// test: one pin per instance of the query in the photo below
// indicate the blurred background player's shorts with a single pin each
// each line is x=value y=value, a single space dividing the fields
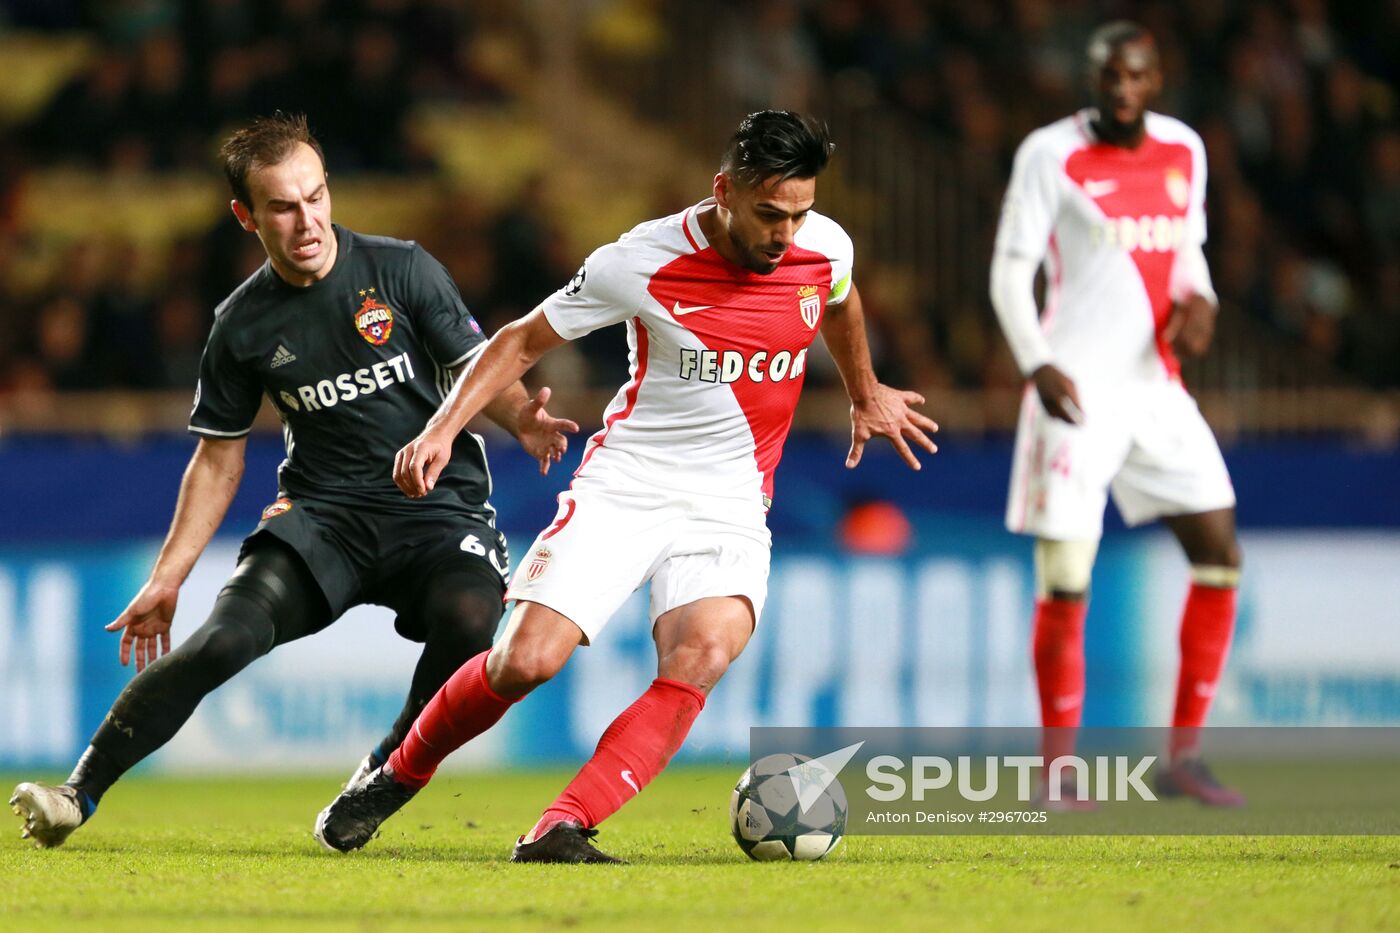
x=1147 y=443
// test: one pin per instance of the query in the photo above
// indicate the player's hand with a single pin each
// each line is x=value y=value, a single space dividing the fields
x=887 y=413
x=1191 y=326
x=419 y=464
x=541 y=434
x=1058 y=394
x=145 y=624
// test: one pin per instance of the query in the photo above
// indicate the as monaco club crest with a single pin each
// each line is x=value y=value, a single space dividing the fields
x=810 y=304
x=1178 y=187
x=539 y=563
x=374 y=320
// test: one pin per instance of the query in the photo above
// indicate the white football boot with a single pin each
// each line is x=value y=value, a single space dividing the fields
x=50 y=813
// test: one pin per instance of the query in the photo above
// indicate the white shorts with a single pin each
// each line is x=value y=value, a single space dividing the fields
x=604 y=544
x=1147 y=443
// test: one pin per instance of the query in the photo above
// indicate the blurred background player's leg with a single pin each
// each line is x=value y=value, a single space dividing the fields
x=1062 y=572
x=1207 y=625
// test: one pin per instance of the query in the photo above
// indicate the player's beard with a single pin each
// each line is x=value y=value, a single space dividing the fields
x=752 y=257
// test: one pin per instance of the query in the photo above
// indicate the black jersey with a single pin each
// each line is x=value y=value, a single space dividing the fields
x=355 y=364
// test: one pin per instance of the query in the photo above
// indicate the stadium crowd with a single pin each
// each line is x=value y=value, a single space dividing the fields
x=165 y=80
x=1296 y=100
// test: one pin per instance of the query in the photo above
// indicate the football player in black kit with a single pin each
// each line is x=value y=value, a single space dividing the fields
x=355 y=340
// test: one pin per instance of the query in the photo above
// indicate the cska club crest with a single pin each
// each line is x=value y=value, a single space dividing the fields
x=539 y=563
x=809 y=302
x=374 y=320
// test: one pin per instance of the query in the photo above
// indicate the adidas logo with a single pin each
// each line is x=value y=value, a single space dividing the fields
x=282 y=357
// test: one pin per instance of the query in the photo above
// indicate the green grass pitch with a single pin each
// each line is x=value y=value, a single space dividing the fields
x=222 y=854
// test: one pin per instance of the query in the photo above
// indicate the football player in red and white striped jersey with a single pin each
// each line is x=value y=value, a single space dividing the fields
x=1111 y=201
x=721 y=303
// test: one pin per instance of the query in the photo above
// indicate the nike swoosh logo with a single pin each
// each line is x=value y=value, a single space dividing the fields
x=1066 y=703
x=631 y=781
x=1100 y=188
x=678 y=309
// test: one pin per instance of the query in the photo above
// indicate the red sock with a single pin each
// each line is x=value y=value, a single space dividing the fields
x=1059 y=672
x=630 y=754
x=1206 y=626
x=465 y=707
x=1059 y=660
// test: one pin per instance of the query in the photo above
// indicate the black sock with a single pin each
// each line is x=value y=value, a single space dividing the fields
x=94 y=773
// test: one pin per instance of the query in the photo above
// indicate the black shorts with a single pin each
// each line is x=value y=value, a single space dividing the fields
x=359 y=556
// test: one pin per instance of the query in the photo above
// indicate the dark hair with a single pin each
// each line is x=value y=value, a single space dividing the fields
x=265 y=141
x=776 y=142
x=1110 y=36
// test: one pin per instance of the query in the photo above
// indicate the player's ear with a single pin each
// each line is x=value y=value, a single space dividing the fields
x=722 y=189
x=243 y=215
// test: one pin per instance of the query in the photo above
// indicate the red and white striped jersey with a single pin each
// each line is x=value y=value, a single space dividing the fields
x=718 y=354
x=1108 y=223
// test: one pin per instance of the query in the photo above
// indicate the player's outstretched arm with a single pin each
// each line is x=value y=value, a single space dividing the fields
x=507 y=357
x=210 y=482
x=543 y=436
x=876 y=409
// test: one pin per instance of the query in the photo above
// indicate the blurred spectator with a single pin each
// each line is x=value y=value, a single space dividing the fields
x=526 y=250
x=766 y=57
x=122 y=320
x=62 y=346
x=1380 y=196
x=180 y=339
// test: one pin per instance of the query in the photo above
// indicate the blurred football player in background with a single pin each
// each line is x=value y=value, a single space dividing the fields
x=1111 y=200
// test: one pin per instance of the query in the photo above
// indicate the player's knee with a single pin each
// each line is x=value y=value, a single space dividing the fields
x=1233 y=556
x=1223 y=554
x=1229 y=555
x=515 y=669
x=1064 y=568
x=1218 y=565
x=700 y=663
x=223 y=647
x=464 y=624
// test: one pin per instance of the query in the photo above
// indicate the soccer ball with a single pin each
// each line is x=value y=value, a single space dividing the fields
x=767 y=816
